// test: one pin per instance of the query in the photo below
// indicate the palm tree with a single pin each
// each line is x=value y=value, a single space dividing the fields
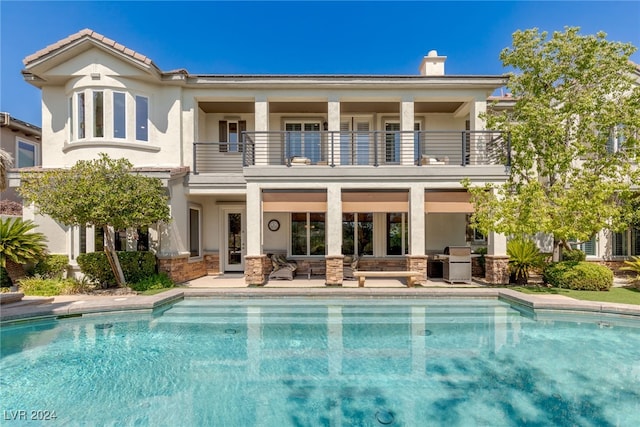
x=6 y=161
x=19 y=245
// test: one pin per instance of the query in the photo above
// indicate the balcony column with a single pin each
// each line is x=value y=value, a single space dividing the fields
x=476 y=123
x=497 y=260
x=334 y=258
x=333 y=122
x=407 y=120
x=417 y=260
x=254 y=259
x=261 y=125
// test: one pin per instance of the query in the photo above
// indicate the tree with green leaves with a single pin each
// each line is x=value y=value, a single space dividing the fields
x=103 y=193
x=574 y=133
x=19 y=244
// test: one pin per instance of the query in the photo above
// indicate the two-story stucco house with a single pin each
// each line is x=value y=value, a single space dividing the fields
x=315 y=167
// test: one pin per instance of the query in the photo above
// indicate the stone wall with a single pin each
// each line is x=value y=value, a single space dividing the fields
x=179 y=269
x=212 y=262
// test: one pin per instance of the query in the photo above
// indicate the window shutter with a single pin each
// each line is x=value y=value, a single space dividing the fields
x=223 y=136
x=242 y=127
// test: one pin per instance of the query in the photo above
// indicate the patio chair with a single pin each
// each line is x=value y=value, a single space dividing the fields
x=350 y=265
x=283 y=269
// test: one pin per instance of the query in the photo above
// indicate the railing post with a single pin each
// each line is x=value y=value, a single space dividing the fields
x=244 y=149
x=331 y=138
x=195 y=168
x=463 y=151
x=375 y=149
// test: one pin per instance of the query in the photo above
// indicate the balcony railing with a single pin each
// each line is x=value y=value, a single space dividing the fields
x=371 y=148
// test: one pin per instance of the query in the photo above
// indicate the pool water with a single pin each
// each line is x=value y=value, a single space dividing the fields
x=333 y=362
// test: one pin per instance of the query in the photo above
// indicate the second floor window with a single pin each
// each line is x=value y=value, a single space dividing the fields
x=119 y=115
x=107 y=114
x=230 y=135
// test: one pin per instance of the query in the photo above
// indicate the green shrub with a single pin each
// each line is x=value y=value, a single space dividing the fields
x=574 y=255
x=136 y=266
x=51 y=266
x=39 y=286
x=156 y=281
x=634 y=266
x=524 y=256
x=582 y=276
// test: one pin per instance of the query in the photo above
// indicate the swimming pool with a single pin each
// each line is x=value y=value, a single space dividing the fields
x=316 y=362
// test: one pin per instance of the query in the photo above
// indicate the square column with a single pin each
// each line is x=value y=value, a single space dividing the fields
x=407 y=120
x=417 y=221
x=261 y=125
x=477 y=141
x=333 y=125
x=254 y=219
x=334 y=258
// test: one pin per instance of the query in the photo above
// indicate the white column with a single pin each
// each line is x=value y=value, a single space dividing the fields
x=261 y=125
x=334 y=220
x=476 y=123
x=333 y=113
x=496 y=242
x=416 y=220
x=254 y=219
x=407 y=120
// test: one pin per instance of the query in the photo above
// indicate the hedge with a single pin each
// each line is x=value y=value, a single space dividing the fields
x=136 y=266
x=583 y=276
x=51 y=266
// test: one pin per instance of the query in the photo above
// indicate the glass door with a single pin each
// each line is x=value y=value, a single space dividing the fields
x=234 y=240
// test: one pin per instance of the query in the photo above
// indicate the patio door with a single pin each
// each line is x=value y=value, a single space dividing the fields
x=355 y=141
x=234 y=237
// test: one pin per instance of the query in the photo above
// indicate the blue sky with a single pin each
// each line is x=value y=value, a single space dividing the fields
x=288 y=37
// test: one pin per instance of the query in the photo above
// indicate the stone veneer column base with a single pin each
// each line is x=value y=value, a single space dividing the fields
x=254 y=269
x=334 y=270
x=497 y=269
x=418 y=263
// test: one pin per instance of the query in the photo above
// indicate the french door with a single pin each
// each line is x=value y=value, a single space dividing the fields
x=234 y=239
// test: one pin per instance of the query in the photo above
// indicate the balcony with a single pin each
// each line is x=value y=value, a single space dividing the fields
x=371 y=148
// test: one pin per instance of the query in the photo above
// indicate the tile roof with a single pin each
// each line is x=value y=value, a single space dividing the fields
x=87 y=33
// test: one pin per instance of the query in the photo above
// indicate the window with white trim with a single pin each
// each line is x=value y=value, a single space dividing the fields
x=142 y=118
x=393 y=141
x=81 y=115
x=119 y=115
x=230 y=135
x=89 y=115
x=303 y=139
x=626 y=243
x=308 y=233
x=195 y=225
x=397 y=233
x=98 y=114
x=357 y=234
x=26 y=154
x=589 y=247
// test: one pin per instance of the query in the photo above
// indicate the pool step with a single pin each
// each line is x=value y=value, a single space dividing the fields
x=308 y=315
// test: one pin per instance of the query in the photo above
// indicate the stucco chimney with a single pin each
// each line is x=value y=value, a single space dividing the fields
x=432 y=64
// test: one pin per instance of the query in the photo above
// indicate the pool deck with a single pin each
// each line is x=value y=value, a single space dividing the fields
x=233 y=286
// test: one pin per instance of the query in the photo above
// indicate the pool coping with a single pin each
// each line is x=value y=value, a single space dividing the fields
x=144 y=303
